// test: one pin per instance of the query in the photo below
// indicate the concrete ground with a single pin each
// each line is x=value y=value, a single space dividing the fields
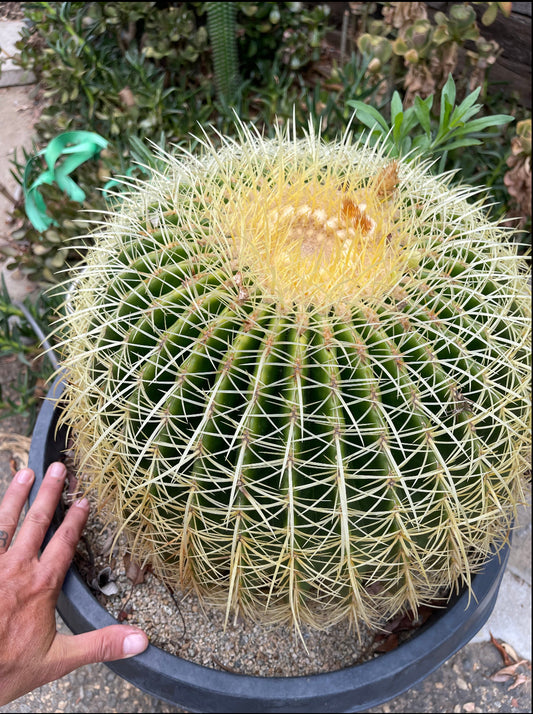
x=462 y=684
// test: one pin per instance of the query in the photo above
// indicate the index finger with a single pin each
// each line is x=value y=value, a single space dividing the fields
x=12 y=504
x=39 y=516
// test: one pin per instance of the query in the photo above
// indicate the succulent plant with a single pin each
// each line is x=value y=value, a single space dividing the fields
x=221 y=22
x=297 y=374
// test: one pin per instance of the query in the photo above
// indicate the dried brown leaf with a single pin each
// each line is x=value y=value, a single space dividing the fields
x=389 y=643
x=500 y=677
x=392 y=625
x=108 y=543
x=134 y=572
x=125 y=613
x=507 y=660
x=409 y=621
x=519 y=679
x=511 y=652
x=511 y=669
x=511 y=662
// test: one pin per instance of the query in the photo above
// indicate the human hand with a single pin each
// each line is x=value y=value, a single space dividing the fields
x=32 y=651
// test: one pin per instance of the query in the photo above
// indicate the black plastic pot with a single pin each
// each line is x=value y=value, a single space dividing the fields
x=202 y=689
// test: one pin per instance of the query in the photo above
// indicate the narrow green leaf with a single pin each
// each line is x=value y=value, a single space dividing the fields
x=461 y=142
x=463 y=117
x=447 y=102
x=396 y=107
x=448 y=91
x=422 y=109
x=397 y=128
x=369 y=115
x=445 y=111
x=469 y=100
x=464 y=112
x=492 y=121
x=410 y=120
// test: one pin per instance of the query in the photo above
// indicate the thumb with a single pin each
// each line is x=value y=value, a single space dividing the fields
x=109 y=643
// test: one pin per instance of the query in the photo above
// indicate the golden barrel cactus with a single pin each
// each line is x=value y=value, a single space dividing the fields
x=298 y=373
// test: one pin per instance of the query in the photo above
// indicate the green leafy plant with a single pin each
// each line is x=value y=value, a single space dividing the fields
x=412 y=130
x=287 y=33
x=133 y=70
x=298 y=375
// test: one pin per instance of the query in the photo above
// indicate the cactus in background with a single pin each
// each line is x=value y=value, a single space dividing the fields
x=298 y=376
x=222 y=28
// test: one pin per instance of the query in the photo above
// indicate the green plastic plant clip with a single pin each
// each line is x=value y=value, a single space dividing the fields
x=77 y=147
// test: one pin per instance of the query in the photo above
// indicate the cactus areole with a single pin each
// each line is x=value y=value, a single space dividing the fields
x=297 y=374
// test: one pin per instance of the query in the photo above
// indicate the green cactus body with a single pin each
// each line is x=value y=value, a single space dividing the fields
x=222 y=27
x=298 y=375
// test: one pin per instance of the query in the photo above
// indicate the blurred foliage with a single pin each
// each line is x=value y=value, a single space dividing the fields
x=410 y=48
x=138 y=71
x=517 y=178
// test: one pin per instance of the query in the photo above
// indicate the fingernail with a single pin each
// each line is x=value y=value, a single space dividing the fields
x=56 y=470
x=25 y=476
x=82 y=503
x=134 y=644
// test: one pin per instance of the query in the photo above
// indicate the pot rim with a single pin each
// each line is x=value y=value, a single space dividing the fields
x=352 y=689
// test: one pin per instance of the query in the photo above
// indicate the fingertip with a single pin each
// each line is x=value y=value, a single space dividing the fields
x=25 y=476
x=108 y=644
x=56 y=470
x=134 y=643
x=82 y=503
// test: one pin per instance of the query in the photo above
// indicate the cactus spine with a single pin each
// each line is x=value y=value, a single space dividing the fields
x=298 y=374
